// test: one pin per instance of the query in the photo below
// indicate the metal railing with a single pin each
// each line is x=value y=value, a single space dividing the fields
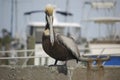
x=18 y=52
x=31 y=52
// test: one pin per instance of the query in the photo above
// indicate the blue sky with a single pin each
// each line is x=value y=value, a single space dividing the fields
x=77 y=7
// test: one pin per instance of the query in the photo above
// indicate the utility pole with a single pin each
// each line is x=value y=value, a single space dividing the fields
x=16 y=16
x=67 y=6
x=11 y=20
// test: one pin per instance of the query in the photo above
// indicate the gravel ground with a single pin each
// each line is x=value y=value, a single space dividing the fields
x=56 y=73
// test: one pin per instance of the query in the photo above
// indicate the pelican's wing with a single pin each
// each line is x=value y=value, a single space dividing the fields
x=70 y=44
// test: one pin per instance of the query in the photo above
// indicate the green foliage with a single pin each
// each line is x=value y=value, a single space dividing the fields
x=31 y=42
x=6 y=40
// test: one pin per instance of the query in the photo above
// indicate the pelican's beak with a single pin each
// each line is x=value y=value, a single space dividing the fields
x=50 y=22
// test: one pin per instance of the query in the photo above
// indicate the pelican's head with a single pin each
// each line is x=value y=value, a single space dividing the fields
x=49 y=10
x=49 y=18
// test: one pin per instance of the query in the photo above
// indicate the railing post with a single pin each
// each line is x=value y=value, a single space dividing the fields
x=99 y=62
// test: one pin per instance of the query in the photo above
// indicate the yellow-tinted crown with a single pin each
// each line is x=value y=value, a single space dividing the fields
x=49 y=10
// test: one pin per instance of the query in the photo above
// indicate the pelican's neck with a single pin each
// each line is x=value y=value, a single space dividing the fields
x=47 y=30
x=47 y=26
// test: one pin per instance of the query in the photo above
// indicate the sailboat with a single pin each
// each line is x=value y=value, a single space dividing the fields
x=109 y=45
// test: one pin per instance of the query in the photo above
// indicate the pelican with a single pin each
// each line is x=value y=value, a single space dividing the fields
x=57 y=46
